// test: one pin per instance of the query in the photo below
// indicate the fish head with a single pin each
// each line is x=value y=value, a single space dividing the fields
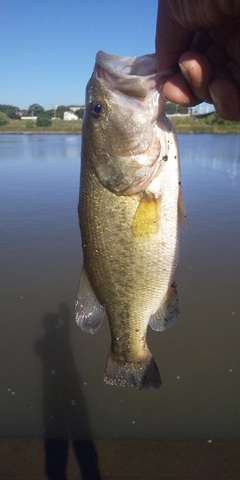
x=122 y=105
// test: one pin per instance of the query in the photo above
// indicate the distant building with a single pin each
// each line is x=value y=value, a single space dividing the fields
x=75 y=109
x=29 y=118
x=202 y=110
x=69 y=116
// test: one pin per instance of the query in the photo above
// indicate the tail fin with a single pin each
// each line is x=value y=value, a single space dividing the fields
x=142 y=373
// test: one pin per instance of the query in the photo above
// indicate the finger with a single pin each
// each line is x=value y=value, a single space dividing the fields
x=234 y=70
x=227 y=37
x=233 y=46
x=225 y=95
x=171 y=39
x=177 y=90
x=197 y=72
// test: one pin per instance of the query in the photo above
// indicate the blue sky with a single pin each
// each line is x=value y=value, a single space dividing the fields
x=48 y=47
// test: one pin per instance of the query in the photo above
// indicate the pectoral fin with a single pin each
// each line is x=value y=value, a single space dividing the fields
x=147 y=217
x=89 y=313
x=168 y=312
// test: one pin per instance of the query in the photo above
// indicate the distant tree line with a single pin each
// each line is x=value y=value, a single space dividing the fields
x=37 y=110
x=10 y=111
x=44 y=117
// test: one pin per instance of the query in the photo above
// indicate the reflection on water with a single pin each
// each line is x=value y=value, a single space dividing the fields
x=29 y=147
x=40 y=255
x=65 y=415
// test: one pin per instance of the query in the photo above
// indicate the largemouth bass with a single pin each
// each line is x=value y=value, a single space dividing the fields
x=130 y=208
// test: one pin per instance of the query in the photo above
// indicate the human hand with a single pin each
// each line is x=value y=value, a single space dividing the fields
x=203 y=38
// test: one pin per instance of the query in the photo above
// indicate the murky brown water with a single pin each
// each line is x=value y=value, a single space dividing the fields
x=51 y=372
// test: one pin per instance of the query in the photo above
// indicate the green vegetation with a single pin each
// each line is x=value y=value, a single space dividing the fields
x=80 y=112
x=43 y=121
x=171 y=108
x=208 y=124
x=59 y=112
x=211 y=124
x=51 y=121
x=30 y=126
x=48 y=121
x=35 y=110
x=4 y=120
x=10 y=111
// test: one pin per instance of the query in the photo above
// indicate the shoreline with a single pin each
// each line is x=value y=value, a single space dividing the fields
x=40 y=133
x=180 y=131
x=187 y=125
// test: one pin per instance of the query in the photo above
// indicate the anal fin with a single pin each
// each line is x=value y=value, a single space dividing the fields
x=89 y=313
x=168 y=312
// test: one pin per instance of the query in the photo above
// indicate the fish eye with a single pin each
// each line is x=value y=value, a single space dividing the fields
x=96 y=109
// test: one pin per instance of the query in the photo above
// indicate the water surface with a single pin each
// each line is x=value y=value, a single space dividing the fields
x=46 y=360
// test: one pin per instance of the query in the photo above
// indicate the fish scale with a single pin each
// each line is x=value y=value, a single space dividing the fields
x=129 y=236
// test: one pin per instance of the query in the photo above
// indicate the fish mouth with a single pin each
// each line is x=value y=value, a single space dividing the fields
x=132 y=76
x=127 y=66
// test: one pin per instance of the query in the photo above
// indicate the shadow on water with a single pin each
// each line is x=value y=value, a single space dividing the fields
x=65 y=415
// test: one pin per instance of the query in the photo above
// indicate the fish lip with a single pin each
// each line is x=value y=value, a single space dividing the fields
x=125 y=67
x=131 y=76
x=122 y=66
